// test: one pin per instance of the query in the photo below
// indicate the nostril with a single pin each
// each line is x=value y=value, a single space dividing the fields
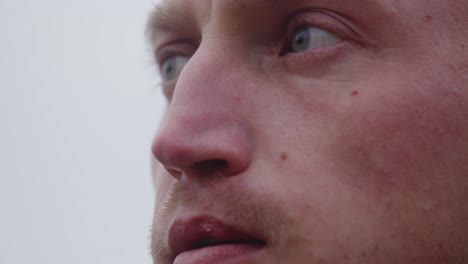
x=174 y=173
x=210 y=167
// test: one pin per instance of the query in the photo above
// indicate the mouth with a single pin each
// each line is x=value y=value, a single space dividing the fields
x=208 y=240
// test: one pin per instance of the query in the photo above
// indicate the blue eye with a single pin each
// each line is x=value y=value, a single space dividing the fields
x=310 y=38
x=172 y=67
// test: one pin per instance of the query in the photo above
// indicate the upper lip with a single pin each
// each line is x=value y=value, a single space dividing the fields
x=204 y=231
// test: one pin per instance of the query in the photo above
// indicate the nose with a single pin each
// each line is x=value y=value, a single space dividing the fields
x=206 y=130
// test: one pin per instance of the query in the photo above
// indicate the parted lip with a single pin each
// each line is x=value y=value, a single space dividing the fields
x=205 y=231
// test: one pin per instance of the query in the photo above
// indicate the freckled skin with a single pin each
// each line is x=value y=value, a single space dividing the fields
x=359 y=157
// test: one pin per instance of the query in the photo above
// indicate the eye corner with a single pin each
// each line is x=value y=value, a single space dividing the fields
x=168 y=88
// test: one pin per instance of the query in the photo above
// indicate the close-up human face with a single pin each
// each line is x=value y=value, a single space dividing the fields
x=311 y=131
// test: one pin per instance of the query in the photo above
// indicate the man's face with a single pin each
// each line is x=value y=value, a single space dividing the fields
x=312 y=131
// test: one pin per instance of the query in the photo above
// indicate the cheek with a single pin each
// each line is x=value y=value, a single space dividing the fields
x=387 y=159
x=163 y=185
x=407 y=138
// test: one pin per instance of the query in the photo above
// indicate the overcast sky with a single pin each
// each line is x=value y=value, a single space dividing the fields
x=79 y=105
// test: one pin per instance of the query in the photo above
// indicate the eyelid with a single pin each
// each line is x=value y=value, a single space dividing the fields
x=175 y=48
x=323 y=19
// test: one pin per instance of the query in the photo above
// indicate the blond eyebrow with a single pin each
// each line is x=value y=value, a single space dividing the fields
x=166 y=18
x=160 y=19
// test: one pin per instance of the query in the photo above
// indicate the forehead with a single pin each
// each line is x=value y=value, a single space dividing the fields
x=168 y=11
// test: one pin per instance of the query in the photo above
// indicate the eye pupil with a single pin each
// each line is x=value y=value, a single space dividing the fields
x=300 y=40
x=169 y=69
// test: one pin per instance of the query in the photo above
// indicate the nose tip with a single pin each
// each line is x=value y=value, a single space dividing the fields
x=185 y=152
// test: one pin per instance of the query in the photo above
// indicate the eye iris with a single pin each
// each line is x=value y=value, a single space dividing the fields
x=312 y=38
x=301 y=41
x=172 y=67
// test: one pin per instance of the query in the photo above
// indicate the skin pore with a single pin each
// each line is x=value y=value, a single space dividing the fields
x=336 y=131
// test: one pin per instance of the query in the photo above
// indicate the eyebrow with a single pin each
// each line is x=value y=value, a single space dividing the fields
x=160 y=18
x=166 y=18
x=173 y=16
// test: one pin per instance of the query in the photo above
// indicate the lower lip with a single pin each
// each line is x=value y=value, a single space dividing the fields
x=229 y=254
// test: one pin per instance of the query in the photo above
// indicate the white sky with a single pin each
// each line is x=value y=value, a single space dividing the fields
x=79 y=105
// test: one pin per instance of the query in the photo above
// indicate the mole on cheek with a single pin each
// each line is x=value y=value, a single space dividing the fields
x=284 y=156
x=428 y=18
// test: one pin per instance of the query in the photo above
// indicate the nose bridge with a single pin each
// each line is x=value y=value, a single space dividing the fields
x=212 y=75
x=205 y=123
x=208 y=93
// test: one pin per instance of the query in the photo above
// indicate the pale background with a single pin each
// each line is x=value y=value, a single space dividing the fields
x=79 y=105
